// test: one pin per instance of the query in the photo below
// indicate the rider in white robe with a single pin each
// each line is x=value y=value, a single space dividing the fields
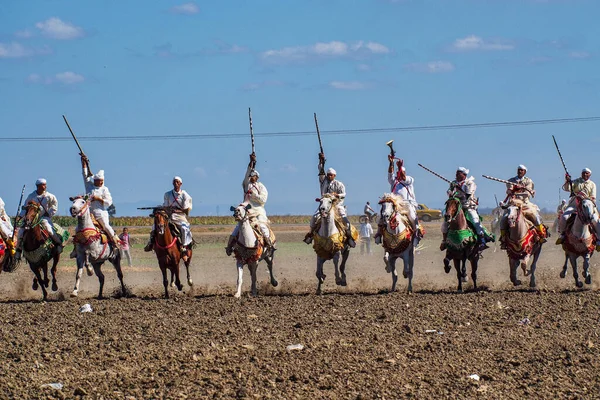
x=464 y=189
x=523 y=190
x=330 y=185
x=6 y=227
x=255 y=194
x=585 y=186
x=180 y=204
x=49 y=206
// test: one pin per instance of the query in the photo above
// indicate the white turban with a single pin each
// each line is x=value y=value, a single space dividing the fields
x=255 y=173
x=586 y=170
x=99 y=175
x=40 y=181
x=463 y=170
x=522 y=167
x=331 y=171
x=177 y=179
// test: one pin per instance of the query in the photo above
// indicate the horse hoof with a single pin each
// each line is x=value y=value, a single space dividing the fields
x=54 y=287
x=405 y=274
x=464 y=279
x=588 y=280
x=579 y=284
x=563 y=274
x=274 y=283
x=180 y=287
x=319 y=292
x=446 y=265
x=526 y=272
x=35 y=285
x=516 y=282
x=344 y=283
x=237 y=295
x=90 y=271
x=172 y=284
x=74 y=293
x=190 y=282
x=388 y=269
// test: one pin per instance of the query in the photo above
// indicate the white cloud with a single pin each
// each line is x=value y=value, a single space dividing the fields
x=476 y=43
x=55 y=28
x=24 y=34
x=288 y=168
x=17 y=50
x=432 y=67
x=186 y=9
x=69 y=78
x=262 y=85
x=349 y=85
x=323 y=51
x=582 y=55
x=64 y=78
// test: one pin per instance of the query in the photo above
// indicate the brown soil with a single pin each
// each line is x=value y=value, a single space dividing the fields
x=359 y=341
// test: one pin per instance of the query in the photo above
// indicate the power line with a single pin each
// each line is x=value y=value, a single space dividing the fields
x=307 y=133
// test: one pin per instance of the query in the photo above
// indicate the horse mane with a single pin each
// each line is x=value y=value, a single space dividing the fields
x=332 y=197
x=396 y=200
x=516 y=202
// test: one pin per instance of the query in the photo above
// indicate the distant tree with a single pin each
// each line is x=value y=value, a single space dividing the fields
x=112 y=210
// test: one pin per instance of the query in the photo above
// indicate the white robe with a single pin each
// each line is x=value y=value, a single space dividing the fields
x=5 y=224
x=180 y=201
x=99 y=208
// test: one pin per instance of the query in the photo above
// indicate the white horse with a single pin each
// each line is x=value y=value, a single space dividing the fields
x=249 y=248
x=330 y=241
x=522 y=242
x=397 y=239
x=580 y=239
x=92 y=249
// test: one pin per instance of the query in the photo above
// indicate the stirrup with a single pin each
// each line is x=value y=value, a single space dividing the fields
x=308 y=238
x=560 y=240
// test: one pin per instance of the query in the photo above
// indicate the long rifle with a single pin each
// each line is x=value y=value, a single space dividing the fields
x=496 y=197
x=563 y=164
x=18 y=211
x=251 y=134
x=11 y=264
x=434 y=173
x=507 y=182
x=320 y=143
x=77 y=143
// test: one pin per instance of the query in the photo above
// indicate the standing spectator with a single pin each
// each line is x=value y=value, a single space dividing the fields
x=125 y=245
x=366 y=231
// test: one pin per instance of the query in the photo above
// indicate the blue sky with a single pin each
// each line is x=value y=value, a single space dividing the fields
x=174 y=68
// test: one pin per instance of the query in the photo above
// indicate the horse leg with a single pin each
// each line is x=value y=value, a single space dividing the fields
x=463 y=269
x=269 y=261
x=320 y=275
x=536 y=256
x=38 y=275
x=240 y=269
x=514 y=264
x=253 y=266
x=78 y=275
x=100 y=275
x=392 y=266
x=586 y=270
x=172 y=277
x=386 y=260
x=563 y=273
x=163 y=270
x=53 y=272
x=474 y=264
x=408 y=268
x=573 y=259
x=457 y=263
x=187 y=268
x=177 y=279
x=345 y=255
x=336 y=268
x=116 y=262
x=46 y=281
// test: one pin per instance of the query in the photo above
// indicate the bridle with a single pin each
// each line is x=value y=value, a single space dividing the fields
x=458 y=209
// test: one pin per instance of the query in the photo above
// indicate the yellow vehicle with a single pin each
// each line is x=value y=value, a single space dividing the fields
x=427 y=214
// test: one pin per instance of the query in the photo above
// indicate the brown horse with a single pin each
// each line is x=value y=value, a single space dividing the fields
x=39 y=249
x=461 y=243
x=167 y=251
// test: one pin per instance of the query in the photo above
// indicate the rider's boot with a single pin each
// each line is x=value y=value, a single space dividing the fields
x=150 y=245
x=542 y=233
x=351 y=241
x=57 y=239
x=418 y=234
x=230 y=243
x=597 y=245
x=561 y=238
x=116 y=241
x=73 y=253
x=481 y=241
x=309 y=237
x=443 y=244
x=18 y=250
x=503 y=236
x=10 y=246
x=269 y=244
x=379 y=234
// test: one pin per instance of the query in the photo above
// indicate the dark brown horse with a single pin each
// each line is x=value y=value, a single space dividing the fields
x=39 y=249
x=461 y=243
x=167 y=251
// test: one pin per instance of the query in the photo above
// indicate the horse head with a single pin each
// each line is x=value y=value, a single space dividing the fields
x=326 y=203
x=240 y=213
x=585 y=208
x=514 y=213
x=32 y=215
x=389 y=206
x=453 y=208
x=161 y=220
x=80 y=205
